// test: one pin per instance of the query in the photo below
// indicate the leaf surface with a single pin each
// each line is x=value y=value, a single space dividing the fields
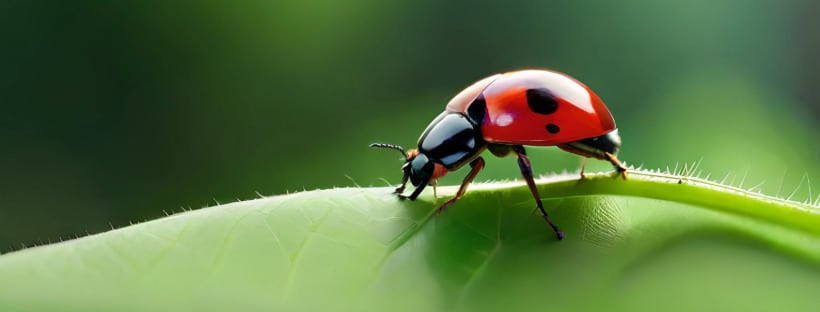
x=648 y=243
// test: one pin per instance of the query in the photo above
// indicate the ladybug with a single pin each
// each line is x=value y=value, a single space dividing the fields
x=503 y=113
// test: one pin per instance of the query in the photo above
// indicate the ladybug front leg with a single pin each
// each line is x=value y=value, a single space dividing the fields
x=400 y=189
x=415 y=193
x=526 y=170
x=476 y=166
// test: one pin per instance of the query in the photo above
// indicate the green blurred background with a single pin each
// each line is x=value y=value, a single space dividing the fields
x=119 y=111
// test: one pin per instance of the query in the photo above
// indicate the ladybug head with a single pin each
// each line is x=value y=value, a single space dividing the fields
x=417 y=166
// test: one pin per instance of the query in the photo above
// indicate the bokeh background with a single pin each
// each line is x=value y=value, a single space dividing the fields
x=114 y=112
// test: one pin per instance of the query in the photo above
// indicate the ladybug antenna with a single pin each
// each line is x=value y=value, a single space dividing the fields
x=391 y=146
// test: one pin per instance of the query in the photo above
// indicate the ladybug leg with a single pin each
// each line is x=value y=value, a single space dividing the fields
x=583 y=166
x=400 y=189
x=476 y=166
x=435 y=194
x=526 y=170
x=415 y=193
x=618 y=165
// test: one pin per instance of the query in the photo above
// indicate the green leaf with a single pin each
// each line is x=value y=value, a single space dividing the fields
x=653 y=242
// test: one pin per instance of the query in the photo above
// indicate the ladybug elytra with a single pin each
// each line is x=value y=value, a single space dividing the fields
x=503 y=113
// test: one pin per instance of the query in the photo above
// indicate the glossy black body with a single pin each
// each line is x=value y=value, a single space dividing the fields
x=453 y=140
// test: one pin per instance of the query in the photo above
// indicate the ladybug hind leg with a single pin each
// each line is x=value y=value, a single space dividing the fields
x=583 y=166
x=619 y=167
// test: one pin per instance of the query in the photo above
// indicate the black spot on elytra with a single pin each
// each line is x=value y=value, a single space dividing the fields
x=553 y=128
x=541 y=101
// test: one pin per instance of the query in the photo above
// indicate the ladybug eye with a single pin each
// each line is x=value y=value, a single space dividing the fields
x=541 y=101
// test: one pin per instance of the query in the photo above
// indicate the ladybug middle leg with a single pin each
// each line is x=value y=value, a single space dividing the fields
x=526 y=171
x=476 y=166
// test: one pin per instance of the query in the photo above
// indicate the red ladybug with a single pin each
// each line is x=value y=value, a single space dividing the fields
x=503 y=113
